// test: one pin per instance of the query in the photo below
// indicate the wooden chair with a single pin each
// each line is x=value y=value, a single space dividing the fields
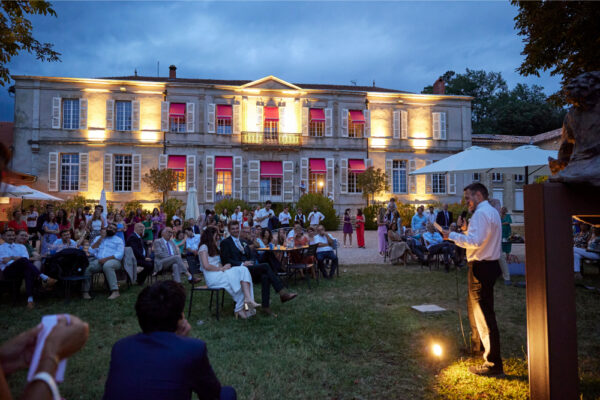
x=205 y=288
x=295 y=268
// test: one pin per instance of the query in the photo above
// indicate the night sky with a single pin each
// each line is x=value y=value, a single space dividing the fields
x=399 y=45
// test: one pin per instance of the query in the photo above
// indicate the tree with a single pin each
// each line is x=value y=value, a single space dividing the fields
x=559 y=36
x=371 y=182
x=161 y=180
x=17 y=36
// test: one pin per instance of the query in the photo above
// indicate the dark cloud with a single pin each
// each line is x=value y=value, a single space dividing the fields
x=400 y=45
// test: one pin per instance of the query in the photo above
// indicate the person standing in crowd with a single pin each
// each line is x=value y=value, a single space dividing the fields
x=95 y=224
x=506 y=231
x=130 y=222
x=302 y=188
x=32 y=224
x=482 y=241
x=347 y=227
x=50 y=234
x=162 y=362
x=315 y=217
x=300 y=218
x=77 y=218
x=108 y=250
x=224 y=217
x=238 y=215
x=17 y=222
x=43 y=218
x=419 y=221
x=360 y=229
x=142 y=256
x=263 y=215
x=285 y=217
x=148 y=236
x=382 y=231
x=156 y=222
x=502 y=260
x=430 y=214
x=444 y=217
x=118 y=221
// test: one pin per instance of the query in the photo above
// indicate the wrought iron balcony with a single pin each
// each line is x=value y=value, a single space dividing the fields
x=289 y=141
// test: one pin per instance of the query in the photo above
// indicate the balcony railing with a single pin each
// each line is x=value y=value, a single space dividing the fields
x=272 y=139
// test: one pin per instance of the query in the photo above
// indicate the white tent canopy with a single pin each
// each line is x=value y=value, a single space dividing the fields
x=26 y=193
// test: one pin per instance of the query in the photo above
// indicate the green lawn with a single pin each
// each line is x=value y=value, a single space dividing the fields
x=351 y=338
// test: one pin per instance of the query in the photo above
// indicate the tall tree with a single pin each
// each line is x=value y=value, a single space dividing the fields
x=371 y=182
x=16 y=33
x=562 y=37
x=161 y=180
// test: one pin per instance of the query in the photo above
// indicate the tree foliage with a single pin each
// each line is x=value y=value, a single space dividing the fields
x=16 y=33
x=523 y=110
x=306 y=203
x=562 y=37
x=161 y=180
x=371 y=182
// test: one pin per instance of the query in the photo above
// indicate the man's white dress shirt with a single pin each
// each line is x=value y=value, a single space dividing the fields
x=264 y=213
x=58 y=245
x=192 y=243
x=284 y=218
x=315 y=217
x=12 y=250
x=483 y=239
x=110 y=246
x=322 y=239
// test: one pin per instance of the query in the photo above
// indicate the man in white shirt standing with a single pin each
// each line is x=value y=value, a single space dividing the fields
x=264 y=214
x=430 y=214
x=108 y=251
x=237 y=215
x=315 y=217
x=482 y=241
x=15 y=264
x=285 y=217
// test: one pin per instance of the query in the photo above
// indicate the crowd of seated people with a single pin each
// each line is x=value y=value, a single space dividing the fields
x=586 y=245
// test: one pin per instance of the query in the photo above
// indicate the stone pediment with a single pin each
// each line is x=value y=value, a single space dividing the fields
x=270 y=82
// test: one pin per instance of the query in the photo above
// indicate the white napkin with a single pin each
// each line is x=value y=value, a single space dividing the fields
x=48 y=322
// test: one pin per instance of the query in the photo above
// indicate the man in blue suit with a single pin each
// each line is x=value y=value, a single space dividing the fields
x=161 y=362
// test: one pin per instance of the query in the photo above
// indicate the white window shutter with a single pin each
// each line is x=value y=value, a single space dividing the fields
x=190 y=172
x=259 y=119
x=443 y=126
x=210 y=117
x=164 y=116
x=237 y=177
x=451 y=183
x=367 y=115
x=368 y=163
x=344 y=122
x=412 y=179
x=436 y=125
x=209 y=179
x=110 y=115
x=428 y=179
x=254 y=181
x=237 y=121
x=135 y=116
x=396 y=124
x=304 y=170
x=344 y=175
x=330 y=178
x=329 y=122
x=282 y=119
x=136 y=173
x=288 y=181
x=163 y=159
x=53 y=172
x=56 y=103
x=108 y=172
x=83 y=112
x=305 y=112
x=403 y=124
x=84 y=163
x=389 y=164
x=190 y=117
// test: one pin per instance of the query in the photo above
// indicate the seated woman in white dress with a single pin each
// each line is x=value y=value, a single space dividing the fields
x=236 y=280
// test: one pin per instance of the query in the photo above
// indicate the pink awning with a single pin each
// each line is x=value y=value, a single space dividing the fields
x=271 y=114
x=177 y=109
x=224 y=111
x=356 y=166
x=176 y=162
x=317 y=166
x=317 y=114
x=357 y=116
x=223 y=163
x=271 y=169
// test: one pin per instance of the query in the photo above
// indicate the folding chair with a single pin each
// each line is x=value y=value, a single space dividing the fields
x=295 y=268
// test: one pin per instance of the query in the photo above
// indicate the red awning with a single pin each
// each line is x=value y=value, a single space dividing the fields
x=356 y=166
x=224 y=111
x=317 y=165
x=317 y=114
x=177 y=109
x=271 y=114
x=176 y=162
x=223 y=163
x=271 y=169
x=357 y=116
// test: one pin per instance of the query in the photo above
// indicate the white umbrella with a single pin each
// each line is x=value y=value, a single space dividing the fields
x=103 y=204
x=32 y=194
x=191 y=209
x=8 y=190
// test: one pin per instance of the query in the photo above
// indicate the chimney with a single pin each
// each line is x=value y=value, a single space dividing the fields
x=439 y=87
x=172 y=72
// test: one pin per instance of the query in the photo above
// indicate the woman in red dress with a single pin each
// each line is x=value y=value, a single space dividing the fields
x=360 y=229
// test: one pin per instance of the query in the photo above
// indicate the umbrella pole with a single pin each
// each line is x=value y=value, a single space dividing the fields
x=526 y=175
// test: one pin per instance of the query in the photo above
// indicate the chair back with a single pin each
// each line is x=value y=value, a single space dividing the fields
x=311 y=251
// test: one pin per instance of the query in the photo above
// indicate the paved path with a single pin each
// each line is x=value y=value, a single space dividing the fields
x=370 y=254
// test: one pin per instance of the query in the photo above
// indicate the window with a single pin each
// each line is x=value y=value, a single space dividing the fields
x=353 y=182
x=271 y=129
x=496 y=177
x=70 y=113
x=224 y=117
x=316 y=182
x=123 y=173
x=178 y=165
x=270 y=187
x=223 y=183
x=224 y=126
x=355 y=129
x=519 y=178
x=476 y=177
x=177 y=117
x=123 y=115
x=518 y=200
x=499 y=195
x=399 y=176
x=69 y=172
x=316 y=125
x=438 y=183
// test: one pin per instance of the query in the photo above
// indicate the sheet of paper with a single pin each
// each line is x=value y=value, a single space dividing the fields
x=48 y=322
x=425 y=308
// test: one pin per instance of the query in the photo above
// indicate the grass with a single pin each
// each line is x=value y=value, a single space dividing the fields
x=355 y=337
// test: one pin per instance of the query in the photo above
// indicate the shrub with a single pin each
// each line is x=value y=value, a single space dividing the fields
x=307 y=201
x=74 y=203
x=170 y=206
x=230 y=205
x=132 y=205
x=370 y=214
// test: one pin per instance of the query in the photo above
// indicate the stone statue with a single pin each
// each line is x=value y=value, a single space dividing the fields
x=579 y=152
